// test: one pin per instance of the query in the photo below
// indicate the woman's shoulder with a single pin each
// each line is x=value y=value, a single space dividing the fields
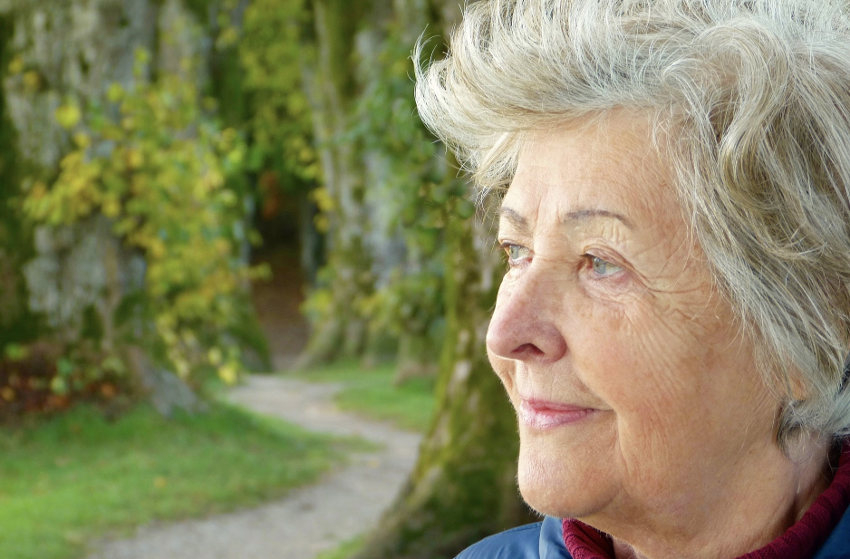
x=541 y=540
x=838 y=544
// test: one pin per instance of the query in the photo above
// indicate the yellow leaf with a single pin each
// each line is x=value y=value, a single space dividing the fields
x=68 y=115
x=32 y=81
x=322 y=224
x=82 y=140
x=142 y=56
x=16 y=66
x=227 y=373
x=71 y=161
x=214 y=356
x=182 y=368
x=156 y=248
x=58 y=385
x=222 y=247
x=111 y=207
x=115 y=92
x=134 y=158
x=165 y=322
x=228 y=198
x=323 y=199
x=227 y=38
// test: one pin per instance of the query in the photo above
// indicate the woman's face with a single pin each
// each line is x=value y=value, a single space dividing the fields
x=635 y=393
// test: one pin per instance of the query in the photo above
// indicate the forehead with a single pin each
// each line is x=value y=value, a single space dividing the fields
x=607 y=163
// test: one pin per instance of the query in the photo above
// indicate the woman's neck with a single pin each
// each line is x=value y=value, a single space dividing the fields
x=752 y=513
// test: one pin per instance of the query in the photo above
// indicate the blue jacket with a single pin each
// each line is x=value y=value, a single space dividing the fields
x=542 y=540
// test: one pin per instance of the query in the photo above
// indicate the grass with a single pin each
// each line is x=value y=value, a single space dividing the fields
x=373 y=393
x=345 y=549
x=76 y=477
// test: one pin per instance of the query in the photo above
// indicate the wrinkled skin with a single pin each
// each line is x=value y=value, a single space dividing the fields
x=607 y=310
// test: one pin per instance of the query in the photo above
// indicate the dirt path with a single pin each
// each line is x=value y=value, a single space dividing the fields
x=309 y=520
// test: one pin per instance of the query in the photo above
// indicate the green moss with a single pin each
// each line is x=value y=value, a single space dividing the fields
x=201 y=9
x=228 y=86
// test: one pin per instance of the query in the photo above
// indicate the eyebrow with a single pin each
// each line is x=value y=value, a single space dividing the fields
x=518 y=221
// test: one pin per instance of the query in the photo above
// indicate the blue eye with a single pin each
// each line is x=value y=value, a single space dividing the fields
x=516 y=253
x=603 y=268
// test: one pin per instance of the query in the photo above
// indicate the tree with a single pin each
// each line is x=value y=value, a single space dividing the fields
x=137 y=266
x=433 y=299
x=463 y=486
x=338 y=329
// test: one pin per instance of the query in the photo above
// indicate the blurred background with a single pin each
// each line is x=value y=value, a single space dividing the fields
x=199 y=192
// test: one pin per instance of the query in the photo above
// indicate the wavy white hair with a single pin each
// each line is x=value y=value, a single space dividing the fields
x=750 y=105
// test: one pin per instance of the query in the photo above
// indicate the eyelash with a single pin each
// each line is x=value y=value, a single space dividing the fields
x=507 y=247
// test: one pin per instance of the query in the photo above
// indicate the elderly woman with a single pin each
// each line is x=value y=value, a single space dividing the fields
x=674 y=321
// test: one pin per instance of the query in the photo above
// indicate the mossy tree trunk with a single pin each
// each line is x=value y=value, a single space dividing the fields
x=338 y=330
x=55 y=52
x=463 y=485
x=17 y=323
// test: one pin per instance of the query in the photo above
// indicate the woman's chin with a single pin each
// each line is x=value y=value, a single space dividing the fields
x=555 y=487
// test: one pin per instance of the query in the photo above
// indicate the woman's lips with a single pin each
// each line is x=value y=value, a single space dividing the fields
x=547 y=415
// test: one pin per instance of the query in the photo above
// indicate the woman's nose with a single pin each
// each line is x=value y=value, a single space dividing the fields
x=524 y=324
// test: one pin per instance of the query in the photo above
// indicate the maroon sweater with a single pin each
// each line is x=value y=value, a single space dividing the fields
x=800 y=541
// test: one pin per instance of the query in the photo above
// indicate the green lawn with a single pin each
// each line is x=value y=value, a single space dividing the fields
x=372 y=393
x=78 y=476
x=345 y=549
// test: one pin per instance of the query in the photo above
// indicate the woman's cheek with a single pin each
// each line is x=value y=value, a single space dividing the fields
x=504 y=369
x=645 y=361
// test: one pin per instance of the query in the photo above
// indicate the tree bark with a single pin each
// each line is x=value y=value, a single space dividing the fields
x=76 y=49
x=338 y=330
x=463 y=486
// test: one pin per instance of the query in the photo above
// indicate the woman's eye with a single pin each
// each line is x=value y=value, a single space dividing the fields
x=603 y=268
x=516 y=253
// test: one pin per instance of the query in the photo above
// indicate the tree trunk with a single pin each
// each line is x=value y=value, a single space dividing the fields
x=76 y=49
x=463 y=486
x=338 y=329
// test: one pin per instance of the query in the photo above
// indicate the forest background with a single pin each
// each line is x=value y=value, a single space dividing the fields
x=153 y=151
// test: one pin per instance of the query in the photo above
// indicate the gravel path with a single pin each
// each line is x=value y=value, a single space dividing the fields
x=345 y=503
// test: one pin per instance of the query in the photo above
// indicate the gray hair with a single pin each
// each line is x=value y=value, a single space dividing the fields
x=750 y=104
